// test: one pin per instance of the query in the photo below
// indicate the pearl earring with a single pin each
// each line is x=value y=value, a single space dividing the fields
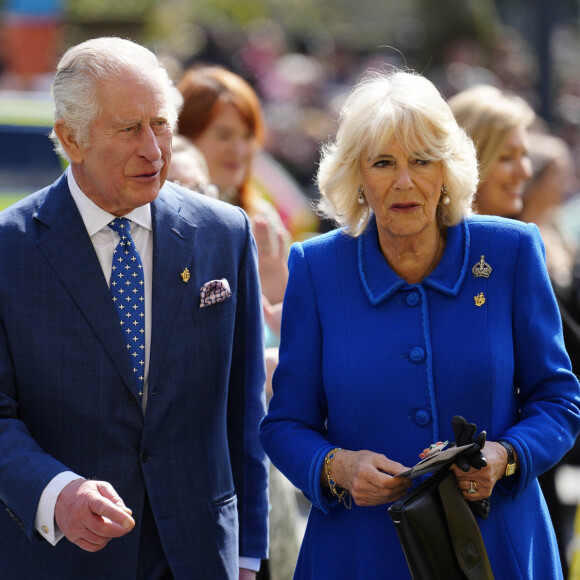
x=361 y=198
x=445 y=200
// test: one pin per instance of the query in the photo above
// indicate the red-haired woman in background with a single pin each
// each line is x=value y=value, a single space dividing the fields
x=222 y=116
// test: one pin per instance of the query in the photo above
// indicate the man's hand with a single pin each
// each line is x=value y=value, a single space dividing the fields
x=246 y=574
x=90 y=513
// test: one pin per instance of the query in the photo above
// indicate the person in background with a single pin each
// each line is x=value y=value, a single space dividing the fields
x=498 y=123
x=222 y=116
x=554 y=182
x=130 y=328
x=188 y=167
x=412 y=312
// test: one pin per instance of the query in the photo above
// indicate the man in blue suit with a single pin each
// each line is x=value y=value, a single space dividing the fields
x=118 y=462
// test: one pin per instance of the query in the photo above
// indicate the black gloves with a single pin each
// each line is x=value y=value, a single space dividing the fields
x=464 y=433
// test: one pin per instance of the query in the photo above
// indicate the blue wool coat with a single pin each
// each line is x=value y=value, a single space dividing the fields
x=368 y=361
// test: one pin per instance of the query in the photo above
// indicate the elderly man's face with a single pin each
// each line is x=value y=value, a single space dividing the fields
x=127 y=160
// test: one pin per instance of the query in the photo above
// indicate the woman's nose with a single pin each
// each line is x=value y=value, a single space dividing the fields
x=403 y=180
x=523 y=168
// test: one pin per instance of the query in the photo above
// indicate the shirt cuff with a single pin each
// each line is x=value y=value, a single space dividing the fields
x=45 y=523
x=250 y=563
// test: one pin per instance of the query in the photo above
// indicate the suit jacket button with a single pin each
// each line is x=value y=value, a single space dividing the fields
x=144 y=456
x=132 y=400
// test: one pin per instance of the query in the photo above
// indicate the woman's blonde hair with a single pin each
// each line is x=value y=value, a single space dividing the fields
x=489 y=114
x=400 y=105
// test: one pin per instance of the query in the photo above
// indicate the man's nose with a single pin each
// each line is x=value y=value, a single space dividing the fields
x=148 y=145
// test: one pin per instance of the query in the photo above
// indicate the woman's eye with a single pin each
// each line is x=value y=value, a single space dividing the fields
x=421 y=162
x=383 y=163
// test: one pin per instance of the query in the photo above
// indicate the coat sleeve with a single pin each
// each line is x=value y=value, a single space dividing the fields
x=25 y=469
x=246 y=407
x=548 y=391
x=293 y=432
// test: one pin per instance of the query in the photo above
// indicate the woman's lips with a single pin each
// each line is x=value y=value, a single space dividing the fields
x=404 y=207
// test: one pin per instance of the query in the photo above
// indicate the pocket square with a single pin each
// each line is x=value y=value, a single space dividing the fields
x=213 y=292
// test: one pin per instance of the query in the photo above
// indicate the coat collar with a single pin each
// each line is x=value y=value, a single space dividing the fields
x=380 y=281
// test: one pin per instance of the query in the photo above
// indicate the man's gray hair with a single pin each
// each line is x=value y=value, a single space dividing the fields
x=74 y=89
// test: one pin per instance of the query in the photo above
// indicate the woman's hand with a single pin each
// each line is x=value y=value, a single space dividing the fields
x=483 y=479
x=368 y=477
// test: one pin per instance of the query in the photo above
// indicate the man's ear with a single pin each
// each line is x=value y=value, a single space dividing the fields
x=68 y=141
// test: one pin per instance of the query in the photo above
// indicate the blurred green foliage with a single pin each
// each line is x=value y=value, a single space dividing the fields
x=86 y=10
x=180 y=26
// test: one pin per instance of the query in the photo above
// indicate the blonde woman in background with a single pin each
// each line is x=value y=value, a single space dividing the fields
x=498 y=124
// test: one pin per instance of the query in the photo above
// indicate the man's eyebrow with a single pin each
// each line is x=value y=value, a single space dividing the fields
x=125 y=121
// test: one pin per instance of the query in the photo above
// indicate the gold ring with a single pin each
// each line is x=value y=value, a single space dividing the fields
x=472 y=487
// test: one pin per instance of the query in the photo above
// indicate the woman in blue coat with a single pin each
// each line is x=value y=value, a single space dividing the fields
x=413 y=312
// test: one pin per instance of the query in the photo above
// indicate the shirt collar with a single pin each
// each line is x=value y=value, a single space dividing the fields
x=95 y=218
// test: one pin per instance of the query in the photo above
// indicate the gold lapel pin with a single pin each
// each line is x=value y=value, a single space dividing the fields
x=479 y=299
x=185 y=276
x=482 y=269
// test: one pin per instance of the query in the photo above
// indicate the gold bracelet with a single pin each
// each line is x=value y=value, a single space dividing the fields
x=342 y=494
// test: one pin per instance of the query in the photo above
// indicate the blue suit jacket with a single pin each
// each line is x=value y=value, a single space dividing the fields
x=368 y=361
x=66 y=383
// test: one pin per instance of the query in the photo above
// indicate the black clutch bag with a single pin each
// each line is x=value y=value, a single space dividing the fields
x=439 y=533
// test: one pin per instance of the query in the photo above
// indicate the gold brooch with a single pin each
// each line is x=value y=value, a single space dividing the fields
x=479 y=299
x=185 y=275
x=482 y=269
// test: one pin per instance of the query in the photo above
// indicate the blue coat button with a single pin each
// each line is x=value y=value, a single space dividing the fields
x=417 y=354
x=413 y=299
x=422 y=418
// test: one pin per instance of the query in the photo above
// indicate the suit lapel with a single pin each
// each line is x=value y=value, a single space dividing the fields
x=173 y=247
x=68 y=249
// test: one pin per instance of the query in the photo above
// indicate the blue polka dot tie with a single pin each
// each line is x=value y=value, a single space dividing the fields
x=128 y=292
